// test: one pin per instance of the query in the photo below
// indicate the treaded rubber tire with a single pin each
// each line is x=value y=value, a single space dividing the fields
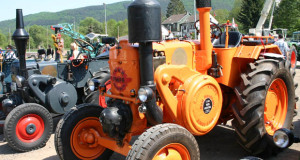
x=93 y=96
x=156 y=137
x=65 y=127
x=288 y=60
x=249 y=108
x=14 y=116
x=293 y=73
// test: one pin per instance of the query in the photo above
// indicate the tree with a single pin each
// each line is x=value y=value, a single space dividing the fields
x=90 y=22
x=236 y=11
x=222 y=15
x=39 y=36
x=250 y=13
x=287 y=15
x=3 y=40
x=175 y=7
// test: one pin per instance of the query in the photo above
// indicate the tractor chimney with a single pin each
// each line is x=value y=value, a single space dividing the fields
x=204 y=56
x=144 y=27
x=21 y=37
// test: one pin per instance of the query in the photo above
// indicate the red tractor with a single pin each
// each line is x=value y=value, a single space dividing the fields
x=168 y=92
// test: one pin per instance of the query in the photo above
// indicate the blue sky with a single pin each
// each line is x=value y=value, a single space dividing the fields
x=8 y=7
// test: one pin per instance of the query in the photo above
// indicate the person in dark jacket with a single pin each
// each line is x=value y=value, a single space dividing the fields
x=50 y=51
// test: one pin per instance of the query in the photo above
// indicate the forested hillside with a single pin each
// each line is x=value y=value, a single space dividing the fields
x=117 y=11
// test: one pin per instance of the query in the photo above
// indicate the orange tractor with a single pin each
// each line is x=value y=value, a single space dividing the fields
x=168 y=92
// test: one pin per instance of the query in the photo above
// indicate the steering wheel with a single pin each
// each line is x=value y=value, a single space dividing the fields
x=216 y=30
x=85 y=45
x=215 y=34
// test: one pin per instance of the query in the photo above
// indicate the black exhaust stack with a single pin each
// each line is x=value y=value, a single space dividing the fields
x=21 y=37
x=144 y=27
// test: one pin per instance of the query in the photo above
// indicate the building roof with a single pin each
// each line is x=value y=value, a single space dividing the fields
x=191 y=19
x=174 y=19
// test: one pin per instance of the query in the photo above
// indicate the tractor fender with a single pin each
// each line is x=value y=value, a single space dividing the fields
x=253 y=52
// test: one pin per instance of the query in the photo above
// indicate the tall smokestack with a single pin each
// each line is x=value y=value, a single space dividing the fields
x=204 y=56
x=21 y=37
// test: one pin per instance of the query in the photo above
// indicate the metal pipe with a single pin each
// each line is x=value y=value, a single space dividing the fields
x=21 y=38
x=203 y=57
x=154 y=114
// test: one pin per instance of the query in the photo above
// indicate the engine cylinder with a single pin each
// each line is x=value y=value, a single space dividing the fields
x=144 y=21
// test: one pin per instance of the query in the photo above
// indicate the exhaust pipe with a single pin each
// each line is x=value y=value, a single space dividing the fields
x=204 y=56
x=144 y=27
x=21 y=37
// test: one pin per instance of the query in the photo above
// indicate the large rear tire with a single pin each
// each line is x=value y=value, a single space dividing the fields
x=28 y=127
x=266 y=100
x=94 y=97
x=291 y=61
x=74 y=125
x=165 y=141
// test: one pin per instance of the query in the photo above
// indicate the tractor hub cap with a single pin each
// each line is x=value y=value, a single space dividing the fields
x=84 y=139
x=276 y=105
x=31 y=128
x=173 y=151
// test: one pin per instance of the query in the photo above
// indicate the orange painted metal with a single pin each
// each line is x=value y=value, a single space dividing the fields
x=293 y=59
x=253 y=52
x=177 y=52
x=203 y=56
x=84 y=138
x=227 y=36
x=187 y=95
x=173 y=151
x=112 y=145
x=276 y=105
x=189 y=108
x=124 y=69
x=232 y=66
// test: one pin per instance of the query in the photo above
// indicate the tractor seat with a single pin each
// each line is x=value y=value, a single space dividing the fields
x=233 y=41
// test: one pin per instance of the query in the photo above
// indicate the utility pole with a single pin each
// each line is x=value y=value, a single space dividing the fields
x=9 y=36
x=47 y=37
x=74 y=24
x=118 y=32
x=29 y=39
x=105 y=18
x=195 y=19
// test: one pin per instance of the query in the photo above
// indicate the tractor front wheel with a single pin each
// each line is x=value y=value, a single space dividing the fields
x=165 y=141
x=74 y=136
x=266 y=100
x=28 y=127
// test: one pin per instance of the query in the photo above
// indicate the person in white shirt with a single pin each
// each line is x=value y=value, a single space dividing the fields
x=283 y=46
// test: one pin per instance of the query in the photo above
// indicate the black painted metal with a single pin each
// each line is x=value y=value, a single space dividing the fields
x=203 y=3
x=21 y=37
x=144 y=21
x=144 y=24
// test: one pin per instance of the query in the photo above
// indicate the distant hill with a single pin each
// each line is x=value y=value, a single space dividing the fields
x=117 y=11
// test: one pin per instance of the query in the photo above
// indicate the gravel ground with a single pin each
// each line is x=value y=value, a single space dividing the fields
x=218 y=144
